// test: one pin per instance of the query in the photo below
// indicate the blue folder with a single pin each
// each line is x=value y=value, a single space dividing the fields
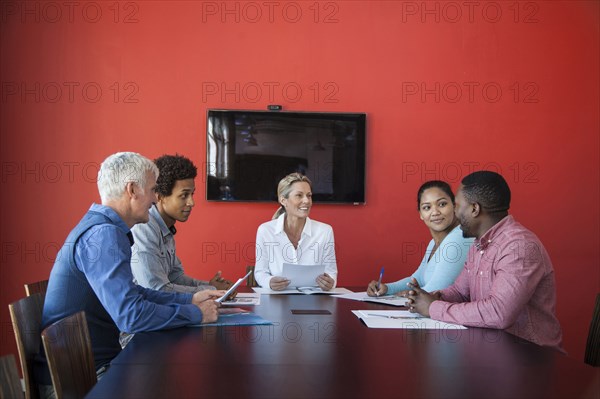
x=237 y=319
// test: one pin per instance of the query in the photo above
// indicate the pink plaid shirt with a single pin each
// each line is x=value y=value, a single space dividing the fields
x=507 y=283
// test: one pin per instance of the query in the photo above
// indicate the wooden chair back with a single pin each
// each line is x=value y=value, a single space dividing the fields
x=26 y=317
x=10 y=384
x=69 y=354
x=592 y=348
x=251 y=281
x=38 y=286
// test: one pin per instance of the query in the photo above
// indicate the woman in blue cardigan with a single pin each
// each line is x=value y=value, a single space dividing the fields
x=447 y=251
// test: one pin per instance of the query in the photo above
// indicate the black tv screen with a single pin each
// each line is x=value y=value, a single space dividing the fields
x=248 y=152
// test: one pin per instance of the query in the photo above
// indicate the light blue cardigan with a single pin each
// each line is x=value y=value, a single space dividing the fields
x=444 y=266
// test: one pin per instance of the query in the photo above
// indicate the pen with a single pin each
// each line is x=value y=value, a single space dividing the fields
x=382 y=298
x=379 y=281
x=395 y=317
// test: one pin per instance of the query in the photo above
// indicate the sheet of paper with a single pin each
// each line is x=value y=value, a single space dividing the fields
x=268 y=291
x=392 y=300
x=244 y=299
x=318 y=290
x=402 y=319
x=302 y=275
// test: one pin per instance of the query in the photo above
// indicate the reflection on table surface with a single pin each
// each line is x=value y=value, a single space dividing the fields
x=332 y=356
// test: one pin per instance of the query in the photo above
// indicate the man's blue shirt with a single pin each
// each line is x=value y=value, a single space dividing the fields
x=92 y=273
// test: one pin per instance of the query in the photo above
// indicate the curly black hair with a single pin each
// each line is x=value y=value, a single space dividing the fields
x=172 y=168
x=487 y=188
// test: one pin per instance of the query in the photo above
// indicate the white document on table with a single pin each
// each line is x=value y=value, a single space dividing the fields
x=402 y=319
x=301 y=290
x=302 y=275
x=392 y=300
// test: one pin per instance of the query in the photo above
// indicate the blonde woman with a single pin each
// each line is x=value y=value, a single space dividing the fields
x=292 y=237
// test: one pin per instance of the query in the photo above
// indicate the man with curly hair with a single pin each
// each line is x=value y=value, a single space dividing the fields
x=154 y=262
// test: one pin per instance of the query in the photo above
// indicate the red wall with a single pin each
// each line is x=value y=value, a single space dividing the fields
x=448 y=88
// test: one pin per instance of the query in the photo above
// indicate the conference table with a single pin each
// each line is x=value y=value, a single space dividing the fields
x=337 y=356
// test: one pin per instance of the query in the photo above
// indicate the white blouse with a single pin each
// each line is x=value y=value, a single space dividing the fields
x=273 y=249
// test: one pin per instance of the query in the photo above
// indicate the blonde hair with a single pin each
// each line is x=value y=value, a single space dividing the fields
x=284 y=188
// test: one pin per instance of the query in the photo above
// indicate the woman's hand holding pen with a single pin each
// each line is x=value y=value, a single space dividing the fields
x=325 y=282
x=373 y=291
x=377 y=288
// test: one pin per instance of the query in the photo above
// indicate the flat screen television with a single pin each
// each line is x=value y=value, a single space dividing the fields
x=248 y=152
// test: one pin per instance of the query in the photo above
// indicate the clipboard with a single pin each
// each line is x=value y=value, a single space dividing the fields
x=233 y=288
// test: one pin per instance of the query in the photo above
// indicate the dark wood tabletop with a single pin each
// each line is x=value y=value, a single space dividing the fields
x=337 y=356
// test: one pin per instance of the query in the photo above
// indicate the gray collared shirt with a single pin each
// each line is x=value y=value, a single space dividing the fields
x=154 y=263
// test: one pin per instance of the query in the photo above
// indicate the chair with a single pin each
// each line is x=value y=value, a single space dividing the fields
x=26 y=317
x=251 y=281
x=592 y=349
x=38 y=286
x=10 y=384
x=69 y=354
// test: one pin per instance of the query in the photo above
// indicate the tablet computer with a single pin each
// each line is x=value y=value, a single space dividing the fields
x=233 y=288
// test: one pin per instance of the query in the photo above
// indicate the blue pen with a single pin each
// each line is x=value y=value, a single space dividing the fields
x=379 y=281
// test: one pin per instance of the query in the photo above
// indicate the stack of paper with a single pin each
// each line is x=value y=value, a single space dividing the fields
x=392 y=300
x=301 y=290
x=401 y=319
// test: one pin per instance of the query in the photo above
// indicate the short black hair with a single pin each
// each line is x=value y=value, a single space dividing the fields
x=488 y=189
x=442 y=185
x=172 y=168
